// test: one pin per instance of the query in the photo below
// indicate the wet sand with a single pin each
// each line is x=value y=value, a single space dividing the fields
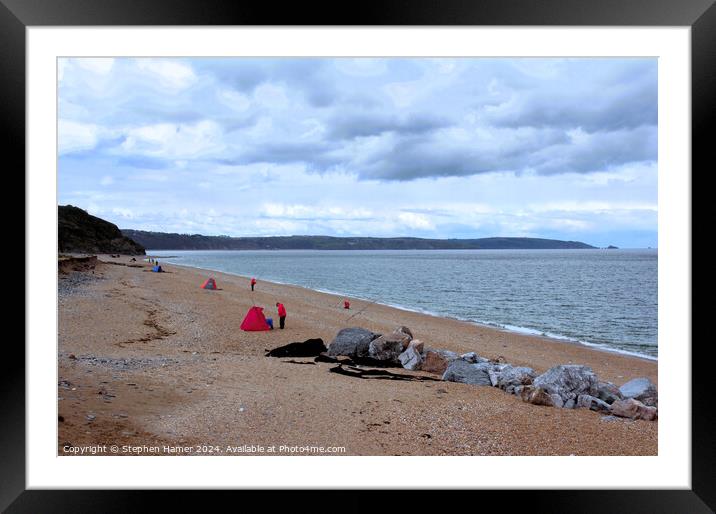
x=150 y=360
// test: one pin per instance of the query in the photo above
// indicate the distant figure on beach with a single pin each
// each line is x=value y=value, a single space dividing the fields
x=346 y=304
x=281 y=315
x=253 y=283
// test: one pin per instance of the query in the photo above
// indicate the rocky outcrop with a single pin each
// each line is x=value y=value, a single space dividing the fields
x=80 y=232
x=641 y=389
x=465 y=372
x=633 y=409
x=568 y=381
x=352 y=342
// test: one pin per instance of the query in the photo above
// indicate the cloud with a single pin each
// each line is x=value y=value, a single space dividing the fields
x=169 y=72
x=397 y=146
x=75 y=137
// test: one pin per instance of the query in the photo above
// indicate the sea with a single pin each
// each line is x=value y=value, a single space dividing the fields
x=601 y=298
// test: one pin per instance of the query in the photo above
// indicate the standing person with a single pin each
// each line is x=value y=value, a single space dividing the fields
x=253 y=283
x=281 y=315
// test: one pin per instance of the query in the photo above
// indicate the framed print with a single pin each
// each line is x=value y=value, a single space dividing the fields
x=409 y=247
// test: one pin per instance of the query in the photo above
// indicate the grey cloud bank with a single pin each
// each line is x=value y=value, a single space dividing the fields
x=144 y=140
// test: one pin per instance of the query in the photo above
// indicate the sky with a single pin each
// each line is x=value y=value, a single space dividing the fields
x=383 y=147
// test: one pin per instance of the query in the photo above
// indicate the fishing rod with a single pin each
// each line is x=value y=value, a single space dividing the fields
x=361 y=310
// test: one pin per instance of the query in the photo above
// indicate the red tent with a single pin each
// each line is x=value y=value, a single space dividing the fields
x=209 y=283
x=255 y=320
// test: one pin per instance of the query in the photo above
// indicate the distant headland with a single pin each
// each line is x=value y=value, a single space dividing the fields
x=173 y=241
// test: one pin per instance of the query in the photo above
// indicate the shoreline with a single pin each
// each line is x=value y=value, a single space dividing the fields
x=152 y=359
x=525 y=331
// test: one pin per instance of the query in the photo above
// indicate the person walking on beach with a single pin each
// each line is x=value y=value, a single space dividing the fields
x=281 y=315
x=253 y=283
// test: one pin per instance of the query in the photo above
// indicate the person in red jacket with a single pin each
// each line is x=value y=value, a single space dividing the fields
x=281 y=314
x=253 y=283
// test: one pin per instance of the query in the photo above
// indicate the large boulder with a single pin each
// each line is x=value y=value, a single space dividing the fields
x=388 y=347
x=353 y=342
x=641 y=389
x=568 y=381
x=608 y=392
x=436 y=361
x=510 y=377
x=633 y=409
x=585 y=401
x=412 y=357
x=538 y=396
x=462 y=371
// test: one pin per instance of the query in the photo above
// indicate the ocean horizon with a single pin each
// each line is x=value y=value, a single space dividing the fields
x=602 y=298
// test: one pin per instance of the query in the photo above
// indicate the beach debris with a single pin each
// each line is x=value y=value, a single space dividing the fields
x=568 y=381
x=388 y=347
x=510 y=377
x=436 y=361
x=465 y=372
x=608 y=392
x=353 y=342
x=91 y=417
x=300 y=362
x=641 y=389
x=585 y=401
x=352 y=371
x=324 y=357
x=307 y=348
x=633 y=409
x=412 y=357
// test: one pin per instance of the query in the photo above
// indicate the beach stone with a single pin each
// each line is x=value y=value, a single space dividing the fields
x=641 y=389
x=473 y=357
x=353 y=342
x=516 y=390
x=557 y=400
x=417 y=344
x=411 y=358
x=539 y=396
x=436 y=361
x=388 y=347
x=569 y=404
x=405 y=330
x=633 y=409
x=585 y=401
x=515 y=376
x=608 y=392
x=466 y=373
x=568 y=381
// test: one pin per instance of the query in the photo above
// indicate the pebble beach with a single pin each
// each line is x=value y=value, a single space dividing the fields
x=150 y=361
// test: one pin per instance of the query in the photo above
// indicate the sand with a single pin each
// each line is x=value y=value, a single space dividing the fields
x=155 y=365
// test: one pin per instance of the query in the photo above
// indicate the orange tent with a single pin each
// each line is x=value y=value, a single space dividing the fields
x=209 y=283
x=255 y=320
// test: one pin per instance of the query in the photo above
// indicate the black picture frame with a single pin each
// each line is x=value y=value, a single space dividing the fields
x=17 y=15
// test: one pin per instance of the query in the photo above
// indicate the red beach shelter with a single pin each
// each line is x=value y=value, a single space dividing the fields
x=209 y=283
x=255 y=320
